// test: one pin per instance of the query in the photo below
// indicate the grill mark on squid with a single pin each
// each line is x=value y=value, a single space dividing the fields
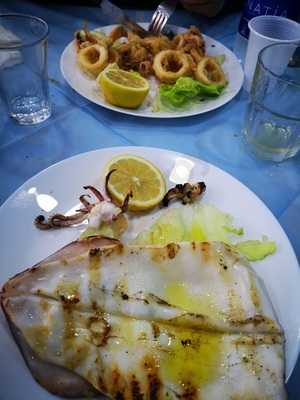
x=94 y=261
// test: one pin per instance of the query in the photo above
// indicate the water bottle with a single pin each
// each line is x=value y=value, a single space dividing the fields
x=253 y=8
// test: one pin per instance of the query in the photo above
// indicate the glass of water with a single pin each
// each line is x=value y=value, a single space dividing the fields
x=23 y=67
x=272 y=121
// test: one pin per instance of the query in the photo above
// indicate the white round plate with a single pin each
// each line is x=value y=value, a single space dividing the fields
x=87 y=87
x=57 y=189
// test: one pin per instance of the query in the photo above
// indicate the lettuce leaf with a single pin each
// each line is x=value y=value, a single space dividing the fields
x=255 y=250
x=236 y=231
x=202 y=222
x=195 y=222
x=185 y=91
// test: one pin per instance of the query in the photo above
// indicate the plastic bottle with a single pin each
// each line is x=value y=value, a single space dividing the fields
x=253 y=8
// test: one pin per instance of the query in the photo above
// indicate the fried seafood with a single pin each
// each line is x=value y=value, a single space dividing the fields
x=195 y=55
x=209 y=72
x=137 y=54
x=117 y=33
x=93 y=59
x=169 y=65
x=165 y=59
x=192 y=43
x=155 y=44
x=113 y=55
x=146 y=68
x=192 y=38
x=131 y=54
x=133 y=37
x=85 y=38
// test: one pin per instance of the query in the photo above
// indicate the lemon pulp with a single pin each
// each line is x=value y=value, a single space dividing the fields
x=123 y=88
x=140 y=176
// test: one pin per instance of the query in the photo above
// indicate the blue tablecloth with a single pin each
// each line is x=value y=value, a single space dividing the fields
x=78 y=126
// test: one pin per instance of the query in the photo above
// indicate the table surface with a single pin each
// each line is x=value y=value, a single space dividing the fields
x=78 y=126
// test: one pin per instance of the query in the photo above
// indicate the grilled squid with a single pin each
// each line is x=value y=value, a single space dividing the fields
x=169 y=65
x=104 y=210
x=209 y=72
x=93 y=59
x=185 y=321
x=187 y=193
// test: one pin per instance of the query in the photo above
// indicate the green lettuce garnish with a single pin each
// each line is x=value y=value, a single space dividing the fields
x=236 y=231
x=187 y=91
x=255 y=250
x=196 y=222
x=202 y=222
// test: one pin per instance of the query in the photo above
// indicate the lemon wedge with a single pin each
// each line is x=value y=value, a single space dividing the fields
x=123 y=88
x=133 y=173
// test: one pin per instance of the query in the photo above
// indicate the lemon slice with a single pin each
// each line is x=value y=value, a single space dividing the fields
x=123 y=88
x=133 y=173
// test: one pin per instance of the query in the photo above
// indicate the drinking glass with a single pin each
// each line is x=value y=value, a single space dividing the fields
x=23 y=67
x=272 y=121
x=264 y=31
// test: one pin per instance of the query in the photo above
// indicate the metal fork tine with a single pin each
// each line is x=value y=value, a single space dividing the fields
x=161 y=23
x=150 y=29
x=154 y=26
x=157 y=23
x=164 y=21
x=161 y=16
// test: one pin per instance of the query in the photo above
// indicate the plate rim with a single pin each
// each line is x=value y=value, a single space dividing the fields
x=154 y=115
x=178 y=154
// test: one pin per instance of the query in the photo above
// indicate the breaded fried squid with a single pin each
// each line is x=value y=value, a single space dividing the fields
x=93 y=59
x=169 y=65
x=209 y=72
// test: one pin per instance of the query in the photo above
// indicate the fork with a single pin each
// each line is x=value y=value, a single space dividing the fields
x=161 y=16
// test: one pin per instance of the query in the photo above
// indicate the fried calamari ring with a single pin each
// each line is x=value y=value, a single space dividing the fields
x=178 y=41
x=169 y=65
x=196 y=55
x=209 y=72
x=93 y=59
